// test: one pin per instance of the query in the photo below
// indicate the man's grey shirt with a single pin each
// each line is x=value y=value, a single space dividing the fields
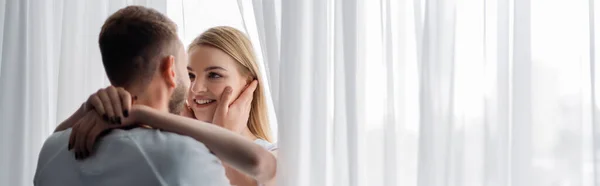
x=130 y=157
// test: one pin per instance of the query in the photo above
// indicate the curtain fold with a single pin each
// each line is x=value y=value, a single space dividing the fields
x=349 y=111
x=292 y=164
x=391 y=57
x=594 y=102
x=496 y=53
x=436 y=95
x=521 y=128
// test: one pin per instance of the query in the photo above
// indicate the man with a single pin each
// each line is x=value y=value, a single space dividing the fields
x=142 y=53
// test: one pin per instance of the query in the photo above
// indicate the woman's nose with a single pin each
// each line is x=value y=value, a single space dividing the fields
x=198 y=86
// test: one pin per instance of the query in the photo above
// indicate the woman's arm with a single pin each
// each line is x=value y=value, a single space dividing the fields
x=69 y=122
x=95 y=102
x=232 y=148
x=272 y=181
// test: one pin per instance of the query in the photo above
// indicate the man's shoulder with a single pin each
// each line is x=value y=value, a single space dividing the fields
x=54 y=143
x=151 y=142
x=58 y=137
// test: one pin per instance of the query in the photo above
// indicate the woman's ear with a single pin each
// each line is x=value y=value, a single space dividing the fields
x=168 y=69
x=249 y=80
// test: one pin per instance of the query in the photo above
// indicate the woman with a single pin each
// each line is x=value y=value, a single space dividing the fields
x=220 y=57
x=221 y=61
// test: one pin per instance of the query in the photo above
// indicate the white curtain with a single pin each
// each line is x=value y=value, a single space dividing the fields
x=266 y=20
x=434 y=92
x=49 y=64
x=388 y=92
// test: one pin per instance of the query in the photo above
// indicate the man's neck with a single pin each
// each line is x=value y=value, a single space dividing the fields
x=149 y=97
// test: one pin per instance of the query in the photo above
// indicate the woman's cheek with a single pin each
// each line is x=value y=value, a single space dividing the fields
x=236 y=93
x=220 y=88
x=239 y=88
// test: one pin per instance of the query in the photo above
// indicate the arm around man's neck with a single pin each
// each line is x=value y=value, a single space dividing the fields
x=232 y=148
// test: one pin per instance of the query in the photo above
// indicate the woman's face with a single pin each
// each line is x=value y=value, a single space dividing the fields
x=210 y=71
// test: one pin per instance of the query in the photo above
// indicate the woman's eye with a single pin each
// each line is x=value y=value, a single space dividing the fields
x=192 y=76
x=213 y=75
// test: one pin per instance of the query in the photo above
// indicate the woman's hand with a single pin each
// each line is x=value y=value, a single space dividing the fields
x=112 y=103
x=86 y=132
x=97 y=102
x=234 y=116
x=105 y=110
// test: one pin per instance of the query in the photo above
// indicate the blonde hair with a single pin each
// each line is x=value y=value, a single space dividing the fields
x=238 y=46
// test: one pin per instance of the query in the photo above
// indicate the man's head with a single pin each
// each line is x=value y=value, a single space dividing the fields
x=142 y=52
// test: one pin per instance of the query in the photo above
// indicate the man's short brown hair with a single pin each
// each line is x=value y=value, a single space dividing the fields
x=132 y=42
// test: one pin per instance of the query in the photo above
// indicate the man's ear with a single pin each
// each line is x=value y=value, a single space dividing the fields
x=168 y=70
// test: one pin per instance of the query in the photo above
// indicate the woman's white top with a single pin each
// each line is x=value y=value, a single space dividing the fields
x=265 y=144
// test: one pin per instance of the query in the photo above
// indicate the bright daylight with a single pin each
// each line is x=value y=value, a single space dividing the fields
x=300 y=92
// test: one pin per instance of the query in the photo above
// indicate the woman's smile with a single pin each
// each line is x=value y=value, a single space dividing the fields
x=203 y=101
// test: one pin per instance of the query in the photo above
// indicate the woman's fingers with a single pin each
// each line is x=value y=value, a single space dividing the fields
x=126 y=101
x=104 y=97
x=89 y=140
x=225 y=100
x=223 y=107
x=73 y=139
x=82 y=135
x=85 y=134
x=95 y=103
x=246 y=97
x=115 y=100
x=112 y=103
x=76 y=131
x=249 y=105
x=99 y=128
x=72 y=136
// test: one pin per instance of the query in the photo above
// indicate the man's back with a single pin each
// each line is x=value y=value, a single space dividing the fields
x=133 y=157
